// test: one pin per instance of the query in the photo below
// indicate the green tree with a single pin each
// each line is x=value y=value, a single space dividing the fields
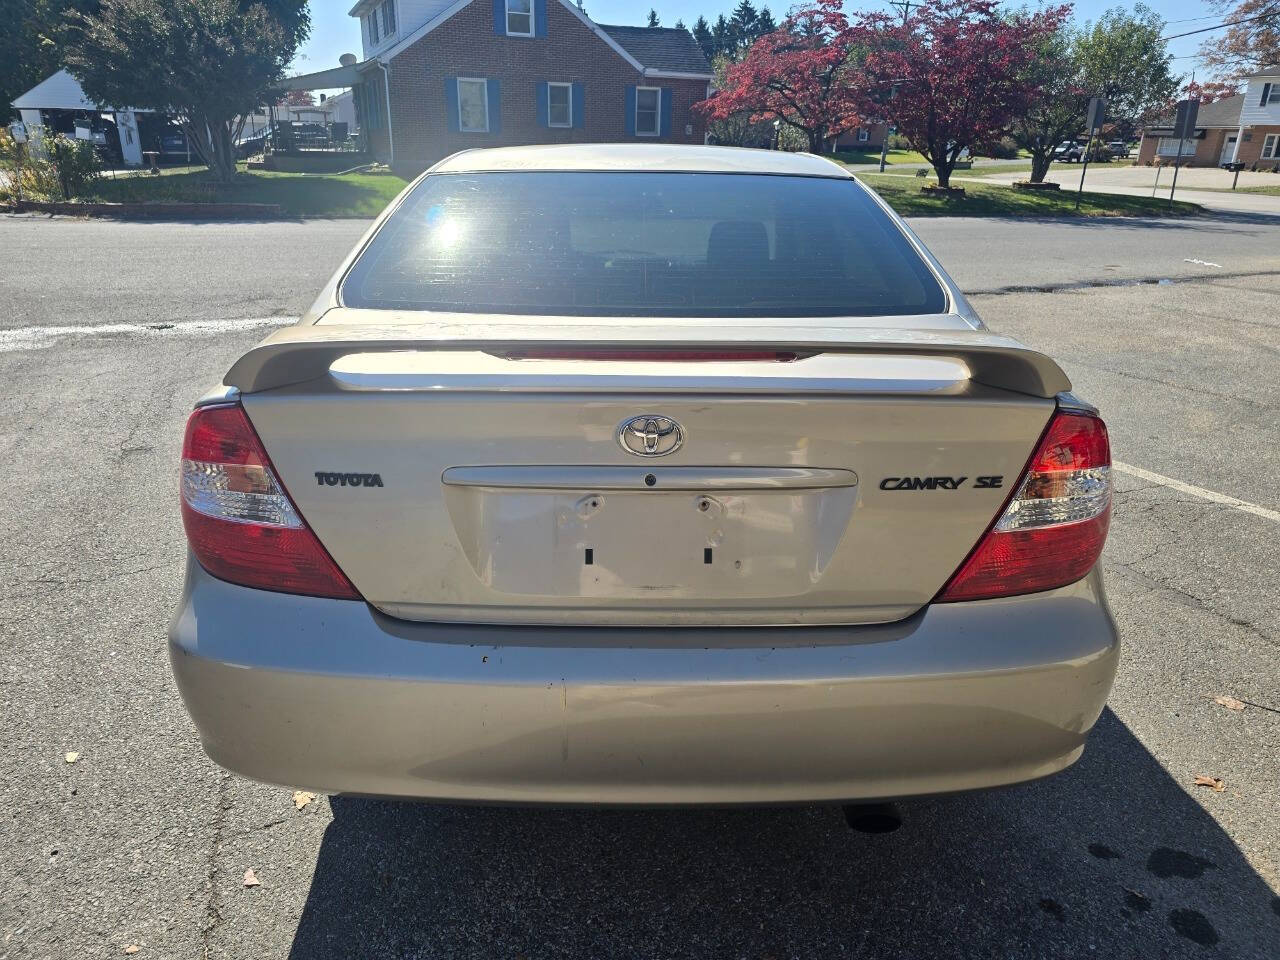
x=1057 y=110
x=742 y=25
x=1123 y=59
x=30 y=37
x=702 y=34
x=722 y=37
x=653 y=18
x=680 y=24
x=764 y=23
x=209 y=63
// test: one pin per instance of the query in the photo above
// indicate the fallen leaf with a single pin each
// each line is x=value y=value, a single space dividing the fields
x=1231 y=703
x=71 y=757
x=251 y=879
x=132 y=948
x=1212 y=782
x=301 y=798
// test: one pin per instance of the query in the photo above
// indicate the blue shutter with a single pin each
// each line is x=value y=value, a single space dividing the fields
x=579 y=101
x=665 y=124
x=631 y=111
x=541 y=97
x=500 y=17
x=539 y=18
x=494 y=89
x=451 y=103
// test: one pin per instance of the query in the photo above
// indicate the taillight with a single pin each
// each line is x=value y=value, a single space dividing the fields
x=240 y=522
x=1052 y=530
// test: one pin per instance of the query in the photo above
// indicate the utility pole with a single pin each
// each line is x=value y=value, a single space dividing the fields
x=905 y=6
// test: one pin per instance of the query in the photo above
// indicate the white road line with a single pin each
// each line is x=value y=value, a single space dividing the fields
x=1203 y=263
x=1201 y=492
x=33 y=338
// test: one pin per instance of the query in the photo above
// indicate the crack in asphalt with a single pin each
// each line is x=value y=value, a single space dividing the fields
x=1101 y=282
x=213 y=907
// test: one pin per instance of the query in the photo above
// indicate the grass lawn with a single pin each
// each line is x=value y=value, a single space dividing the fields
x=994 y=200
x=873 y=156
x=301 y=195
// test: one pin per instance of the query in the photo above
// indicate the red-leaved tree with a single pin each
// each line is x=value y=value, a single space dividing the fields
x=798 y=74
x=954 y=76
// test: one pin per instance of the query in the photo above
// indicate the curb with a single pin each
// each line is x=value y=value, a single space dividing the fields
x=153 y=211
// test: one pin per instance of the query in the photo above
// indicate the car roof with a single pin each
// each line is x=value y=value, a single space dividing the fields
x=646 y=157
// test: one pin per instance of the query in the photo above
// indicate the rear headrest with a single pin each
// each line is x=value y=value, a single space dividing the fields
x=738 y=242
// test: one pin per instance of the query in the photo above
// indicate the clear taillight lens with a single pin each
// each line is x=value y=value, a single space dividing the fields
x=1052 y=531
x=239 y=519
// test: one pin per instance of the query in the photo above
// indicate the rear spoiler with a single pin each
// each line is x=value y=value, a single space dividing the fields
x=300 y=354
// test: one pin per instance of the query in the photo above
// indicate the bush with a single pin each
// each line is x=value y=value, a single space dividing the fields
x=75 y=164
x=898 y=142
x=1003 y=149
x=25 y=176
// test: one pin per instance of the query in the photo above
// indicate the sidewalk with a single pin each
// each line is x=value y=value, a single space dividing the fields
x=1138 y=182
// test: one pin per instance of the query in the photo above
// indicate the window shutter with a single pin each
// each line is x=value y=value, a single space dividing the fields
x=579 y=101
x=500 y=17
x=539 y=18
x=665 y=126
x=494 y=90
x=451 y=102
x=631 y=111
x=542 y=97
x=1266 y=92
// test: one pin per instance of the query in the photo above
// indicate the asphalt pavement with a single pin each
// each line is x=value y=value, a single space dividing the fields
x=108 y=332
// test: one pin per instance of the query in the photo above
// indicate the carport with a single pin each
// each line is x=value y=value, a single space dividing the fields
x=61 y=93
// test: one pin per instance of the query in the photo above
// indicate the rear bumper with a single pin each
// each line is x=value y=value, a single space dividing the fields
x=332 y=696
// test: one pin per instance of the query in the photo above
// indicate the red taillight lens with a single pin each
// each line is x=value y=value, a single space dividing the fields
x=240 y=522
x=1052 y=530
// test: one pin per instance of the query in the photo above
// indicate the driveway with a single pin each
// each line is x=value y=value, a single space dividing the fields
x=110 y=331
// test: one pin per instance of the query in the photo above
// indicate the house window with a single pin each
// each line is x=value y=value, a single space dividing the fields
x=372 y=21
x=648 y=107
x=473 y=105
x=1271 y=147
x=863 y=135
x=520 y=18
x=1270 y=94
x=1168 y=147
x=560 y=105
x=388 y=17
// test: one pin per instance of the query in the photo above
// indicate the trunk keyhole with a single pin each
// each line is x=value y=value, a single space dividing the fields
x=650 y=479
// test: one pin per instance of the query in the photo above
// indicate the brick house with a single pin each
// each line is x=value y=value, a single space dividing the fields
x=1240 y=129
x=440 y=76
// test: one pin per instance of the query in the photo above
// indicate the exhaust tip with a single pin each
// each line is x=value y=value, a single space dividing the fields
x=873 y=817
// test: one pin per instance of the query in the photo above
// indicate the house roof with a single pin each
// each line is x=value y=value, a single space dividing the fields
x=1220 y=113
x=1265 y=72
x=58 y=92
x=664 y=49
x=640 y=157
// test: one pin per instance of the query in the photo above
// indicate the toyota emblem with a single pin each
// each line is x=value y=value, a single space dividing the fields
x=650 y=436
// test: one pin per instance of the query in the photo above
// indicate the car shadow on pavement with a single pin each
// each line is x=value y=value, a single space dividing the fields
x=1109 y=859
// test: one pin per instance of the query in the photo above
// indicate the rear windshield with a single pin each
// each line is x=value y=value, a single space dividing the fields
x=642 y=244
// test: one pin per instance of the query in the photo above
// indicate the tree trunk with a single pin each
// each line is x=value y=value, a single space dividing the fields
x=816 y=138
x=943 y=172
x=212 y=141
x=1040 y=160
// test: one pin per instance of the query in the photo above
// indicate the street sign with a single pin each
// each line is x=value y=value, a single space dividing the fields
x=1184 y=119
x=1097 y=111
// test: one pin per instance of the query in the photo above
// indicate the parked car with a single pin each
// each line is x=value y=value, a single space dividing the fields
x=643 y=474
x=173 y=145
x=1069 y=151
x=1118 y=148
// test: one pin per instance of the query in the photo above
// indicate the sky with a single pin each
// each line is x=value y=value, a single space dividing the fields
x=333 y=33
